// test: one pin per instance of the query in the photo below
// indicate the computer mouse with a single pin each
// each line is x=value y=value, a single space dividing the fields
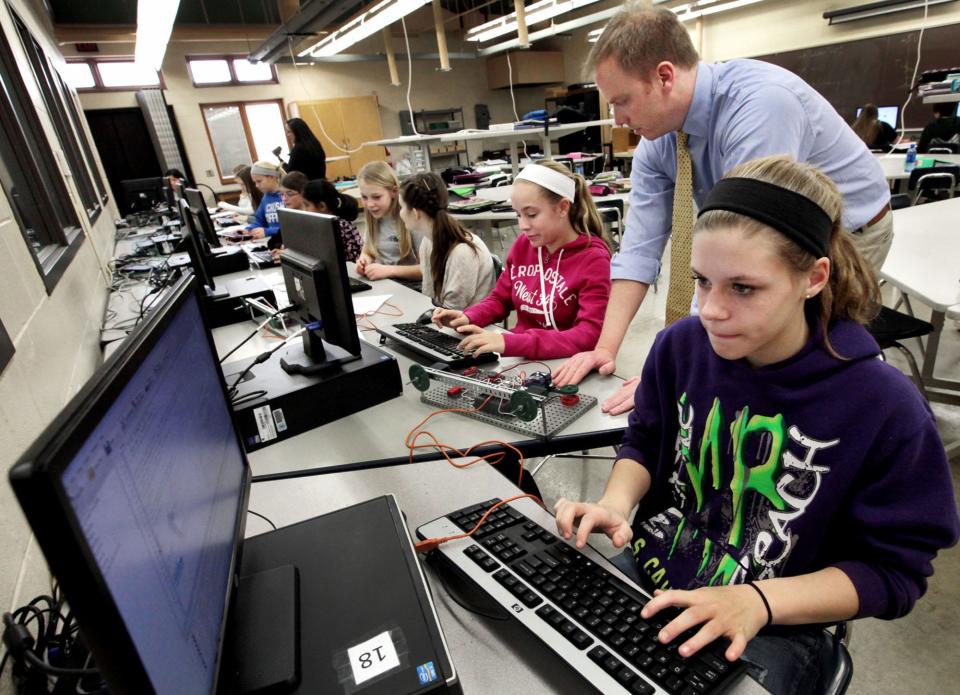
x=426 y=317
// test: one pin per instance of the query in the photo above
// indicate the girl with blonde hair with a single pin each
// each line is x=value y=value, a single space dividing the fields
x=389 y=248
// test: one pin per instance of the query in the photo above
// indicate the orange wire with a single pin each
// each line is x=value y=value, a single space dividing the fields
x=429 y=544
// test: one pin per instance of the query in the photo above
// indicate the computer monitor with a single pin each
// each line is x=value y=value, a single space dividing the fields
x=142 y=195
x=196 y=248
x=315 y=275
x=137 y=494
x=198 y=208
x=887 y=114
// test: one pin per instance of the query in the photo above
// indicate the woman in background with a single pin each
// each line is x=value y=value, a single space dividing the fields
x=306 y=152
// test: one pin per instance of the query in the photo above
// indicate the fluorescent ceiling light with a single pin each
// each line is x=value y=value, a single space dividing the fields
x=537 y=12
x=702 y=9
x=875 y=9
x=378 y=16
x=694 y=10
x=154 y=24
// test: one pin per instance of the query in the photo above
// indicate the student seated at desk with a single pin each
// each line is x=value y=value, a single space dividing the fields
x=389 y=248
x=266 y=177
x=249 y=194
x=556 y=277
x=876 y=134
x=457 y=267
x=770 y=447
x=944 y=130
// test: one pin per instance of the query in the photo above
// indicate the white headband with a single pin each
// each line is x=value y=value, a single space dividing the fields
x=562 y=185
x=264 y=171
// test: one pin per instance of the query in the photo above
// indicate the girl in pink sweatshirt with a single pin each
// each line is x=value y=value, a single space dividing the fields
x=556 y=276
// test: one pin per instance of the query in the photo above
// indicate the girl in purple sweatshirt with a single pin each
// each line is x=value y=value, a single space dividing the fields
x=786 y=477
x=556 y=275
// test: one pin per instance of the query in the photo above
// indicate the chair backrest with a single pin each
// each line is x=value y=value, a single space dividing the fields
x=917 y=174
x=945 y=148
x=611 y=214
x=497 y=265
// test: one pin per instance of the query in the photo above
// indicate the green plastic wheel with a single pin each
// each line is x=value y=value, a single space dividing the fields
x=419 y=377
x=523 y=406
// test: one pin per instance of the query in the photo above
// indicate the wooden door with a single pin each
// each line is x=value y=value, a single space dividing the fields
x=361 y=118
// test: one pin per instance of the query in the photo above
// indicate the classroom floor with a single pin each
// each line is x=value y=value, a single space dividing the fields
x=913 y=654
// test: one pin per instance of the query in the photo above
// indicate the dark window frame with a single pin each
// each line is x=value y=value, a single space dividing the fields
x=234 y=81
x=98 y=80
x=46 y=79
x=32 y=178
x=248 y=133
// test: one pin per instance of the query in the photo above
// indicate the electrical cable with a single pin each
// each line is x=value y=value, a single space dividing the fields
x=406 y=40
x=513 y=99
x=913 y=81
x=428 y=544
x=272 y=525
x=270 y=318
x=260 y=359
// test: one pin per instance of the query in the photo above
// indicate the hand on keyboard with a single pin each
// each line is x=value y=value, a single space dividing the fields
x=735 y=612
x=449 y=317
x=479 y=341
x=590 y=517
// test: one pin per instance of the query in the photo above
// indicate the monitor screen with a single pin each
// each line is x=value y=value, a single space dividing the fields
x=142 y=195
x=136 y=494
x=315 y=274
x=887 y=114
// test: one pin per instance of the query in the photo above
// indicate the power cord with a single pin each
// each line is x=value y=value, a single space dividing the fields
x=55 y=657
x=292 y=307
x=263 y=357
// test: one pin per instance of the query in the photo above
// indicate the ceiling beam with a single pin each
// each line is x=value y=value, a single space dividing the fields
x=127 y=33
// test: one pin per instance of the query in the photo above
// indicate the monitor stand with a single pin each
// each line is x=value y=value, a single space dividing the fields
x=318 y=356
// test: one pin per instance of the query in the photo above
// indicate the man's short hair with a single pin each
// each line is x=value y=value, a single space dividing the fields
x=640 y=38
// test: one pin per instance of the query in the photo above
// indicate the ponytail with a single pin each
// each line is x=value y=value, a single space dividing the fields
x=584 y=216
x=427 y=193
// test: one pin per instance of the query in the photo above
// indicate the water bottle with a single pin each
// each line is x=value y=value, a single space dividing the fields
x=910 y=163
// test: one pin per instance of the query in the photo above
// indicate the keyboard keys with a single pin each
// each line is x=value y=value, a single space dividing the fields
x=597 y=613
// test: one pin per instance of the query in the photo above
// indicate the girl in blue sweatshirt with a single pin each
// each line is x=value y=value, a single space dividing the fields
x=786 y=478
x=266 y=222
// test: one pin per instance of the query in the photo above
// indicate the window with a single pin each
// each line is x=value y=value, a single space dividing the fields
x=243 y=132
x=31 y=179
x=68 y=133
x=110 y=74
x=210 y=71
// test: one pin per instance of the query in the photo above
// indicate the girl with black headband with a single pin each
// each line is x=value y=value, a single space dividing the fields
x=786 y=477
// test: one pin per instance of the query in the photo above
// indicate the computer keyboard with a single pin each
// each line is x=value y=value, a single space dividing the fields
x=436 y=345
x=587 y=615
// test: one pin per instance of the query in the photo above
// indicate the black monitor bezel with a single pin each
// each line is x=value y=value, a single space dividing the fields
x=148 y=183
x=304 y=260
x=36 y=481
x=196 y=247
x=198 y=208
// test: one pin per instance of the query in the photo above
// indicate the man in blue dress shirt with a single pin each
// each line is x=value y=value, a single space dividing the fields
x=648 y=70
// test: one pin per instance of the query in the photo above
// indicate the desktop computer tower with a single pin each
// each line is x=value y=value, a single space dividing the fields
x=273 y=405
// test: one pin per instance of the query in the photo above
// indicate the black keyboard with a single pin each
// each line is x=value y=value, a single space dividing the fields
x=579 y=609
x=358 y=285
x=434 y=344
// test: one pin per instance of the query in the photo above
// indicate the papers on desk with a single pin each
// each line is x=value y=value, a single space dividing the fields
x=366 y=306
x=234 y=232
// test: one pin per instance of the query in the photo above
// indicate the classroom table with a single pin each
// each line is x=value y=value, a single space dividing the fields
x=892 y=165
x=501 y=194
x=375 y=436
x=490 y=656
x=924 y=264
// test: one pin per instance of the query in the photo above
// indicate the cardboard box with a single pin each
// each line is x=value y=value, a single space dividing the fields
x=529 y=68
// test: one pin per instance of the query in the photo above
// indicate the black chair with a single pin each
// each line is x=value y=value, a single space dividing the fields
x=611 y=214
x=933 y=183
x=889 y=327
x=943 y=148
x=900 y=200
x=843 y=663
